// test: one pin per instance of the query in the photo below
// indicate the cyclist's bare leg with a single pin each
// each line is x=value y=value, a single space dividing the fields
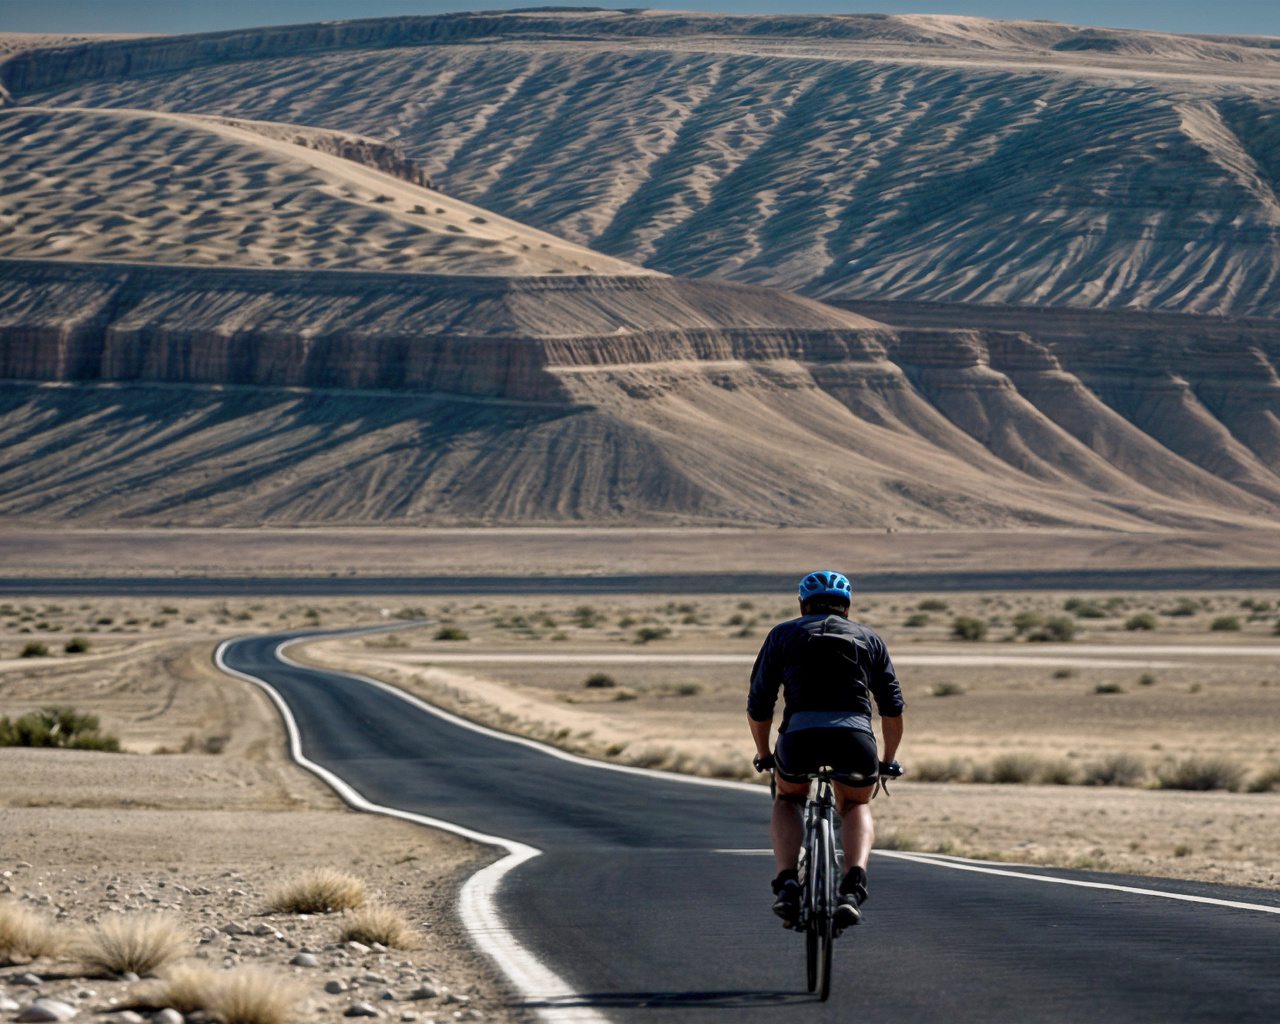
x=786 y=824
x=856 y=830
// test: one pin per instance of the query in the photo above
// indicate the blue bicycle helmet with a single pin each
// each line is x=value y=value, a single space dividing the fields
x=825 y=583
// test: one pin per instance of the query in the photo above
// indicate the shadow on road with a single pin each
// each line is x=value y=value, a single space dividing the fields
x=640 y=1000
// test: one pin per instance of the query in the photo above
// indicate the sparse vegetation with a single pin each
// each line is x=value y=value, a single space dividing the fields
x=26 y=933
x=916 y=620
x=34 y=649
x=141 y=943
x=600 y=681
x=1184 y=608
x=185 y=987
x=947 y=689
x=1141 y=621
x=586 y=617
x=1059 y=629
x=253 y=996
x=1027 y=620
x=1201 y=773
x=1266 y=781
x=451 y=633
x=322 y=891
x=932 y=604
x=965 y=627
x=1015 y=768
x=1115 y=770
x=76 y=645
x=408 y=613
x=56 y=727
x=1064 y=673
x=1084 y=609
x=1225 y=624
x=378 y=922
x=647 y=633
x=1108 y=688
x=1146 y=679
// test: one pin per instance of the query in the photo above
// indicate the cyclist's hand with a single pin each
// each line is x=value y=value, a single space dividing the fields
x=890 y=769
x=763 y=764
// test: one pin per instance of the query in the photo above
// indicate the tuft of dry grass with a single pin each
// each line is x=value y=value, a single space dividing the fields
x=185 y=987
x=27 y=934
x=253 y=996
x=142 y=943
x=378 y=922
x=321 y=891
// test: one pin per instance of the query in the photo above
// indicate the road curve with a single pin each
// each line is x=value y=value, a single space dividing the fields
x=637 y=904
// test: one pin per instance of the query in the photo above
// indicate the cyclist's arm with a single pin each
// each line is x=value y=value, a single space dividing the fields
x=892 y=729
x=760 y=733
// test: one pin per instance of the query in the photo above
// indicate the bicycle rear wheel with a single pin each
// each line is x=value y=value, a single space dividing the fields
x=821 y=925
x=807 y=860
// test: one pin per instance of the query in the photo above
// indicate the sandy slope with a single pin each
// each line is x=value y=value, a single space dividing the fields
x=131 y=185
x=923 y=157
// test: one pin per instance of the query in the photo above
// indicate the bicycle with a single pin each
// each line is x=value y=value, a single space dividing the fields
x=819 y=875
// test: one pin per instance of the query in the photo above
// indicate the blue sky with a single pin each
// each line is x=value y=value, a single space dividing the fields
x=1256 y=17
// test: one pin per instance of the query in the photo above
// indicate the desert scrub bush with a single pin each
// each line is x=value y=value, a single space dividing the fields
x=586 y=617
x=1201 y=773
x=185 y=987
x=1115 y=770
x=34 y=649
x=646 y=633
x=1146 y=679
x=1108 y=688
x=1059 y=772
x=947 y=690
x=76 y=645
x=26 y=933
x=253 y=996
x=954 y=770
x=142 y=943
x=410 y=613
x=56 y=727
x=319 y=891
x=451 y=633
x=378 y=922
x=932 y=604
x=1057 y=630
x=1015 y=769
x=1084 y=609
x=1183 y=608
x=1027 y=620
x=897 y=840
x=916 y=620
x=1143 y=620
x=1225 y=624
x=965 y=627
x=600 y=681
x=1266 y=781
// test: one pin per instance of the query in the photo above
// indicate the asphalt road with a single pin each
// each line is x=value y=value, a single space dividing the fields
x=636 y=904
x=1226 y=578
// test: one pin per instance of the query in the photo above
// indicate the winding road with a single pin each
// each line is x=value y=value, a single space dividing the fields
x=630 y=896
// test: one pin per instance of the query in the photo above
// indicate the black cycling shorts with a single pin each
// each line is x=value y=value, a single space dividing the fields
x=850 y=753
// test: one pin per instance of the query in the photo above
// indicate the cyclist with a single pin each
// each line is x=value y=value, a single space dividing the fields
x=828 y=667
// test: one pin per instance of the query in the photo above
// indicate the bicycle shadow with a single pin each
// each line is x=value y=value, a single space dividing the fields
x=728 y=1000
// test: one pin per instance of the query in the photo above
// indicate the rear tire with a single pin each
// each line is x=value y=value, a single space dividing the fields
x=808 y=858
x=820 y=923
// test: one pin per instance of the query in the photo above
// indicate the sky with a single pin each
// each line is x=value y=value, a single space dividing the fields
x=1252 y=17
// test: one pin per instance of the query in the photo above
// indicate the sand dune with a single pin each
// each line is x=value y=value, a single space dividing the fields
x=911 y=157
x=132 y=185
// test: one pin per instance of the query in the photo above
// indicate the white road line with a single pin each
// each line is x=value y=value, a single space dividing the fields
x=537 y=983
x=962 y=864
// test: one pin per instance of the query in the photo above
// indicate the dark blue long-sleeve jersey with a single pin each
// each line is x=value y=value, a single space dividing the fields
x=823 y=663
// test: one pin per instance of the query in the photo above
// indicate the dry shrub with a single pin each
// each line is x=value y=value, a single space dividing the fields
x=954 y=770
x=1116 y=770
x=185 y=987
x=142 y=943
x=897 y=840
x=1015 y=769
x=1202 y=773
x=320 y=891
x=1266 y=781
x=28 y=934
x=1058 y=773
x=377 y=922
x=252 y=996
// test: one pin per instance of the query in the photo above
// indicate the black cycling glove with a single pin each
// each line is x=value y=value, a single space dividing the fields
x=763 y=764
x=891 y=769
